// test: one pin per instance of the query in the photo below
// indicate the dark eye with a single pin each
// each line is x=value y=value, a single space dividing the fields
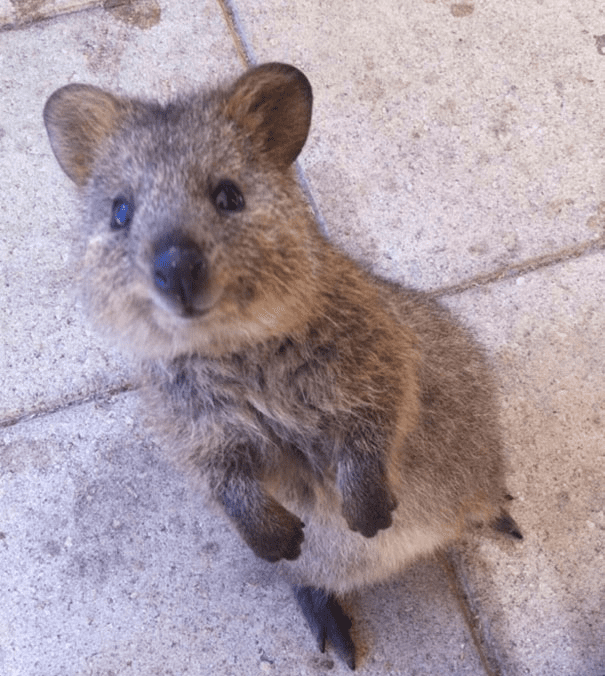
x=121 y=213
x=227 y=197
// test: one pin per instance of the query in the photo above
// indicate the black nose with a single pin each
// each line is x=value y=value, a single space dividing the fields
x=179 y=271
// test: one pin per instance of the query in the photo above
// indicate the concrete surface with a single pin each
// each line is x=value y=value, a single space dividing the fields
x=456 y=146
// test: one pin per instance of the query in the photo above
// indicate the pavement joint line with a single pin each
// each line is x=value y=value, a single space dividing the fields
x=308 y=194
x=471 y=618
x=519 y=269
x=243 y=46
x=27 y=20
x=50 y=410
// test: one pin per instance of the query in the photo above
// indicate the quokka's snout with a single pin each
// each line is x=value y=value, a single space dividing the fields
x=180 y=273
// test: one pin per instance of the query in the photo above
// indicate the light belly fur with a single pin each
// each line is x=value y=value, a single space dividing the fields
x=339 y=560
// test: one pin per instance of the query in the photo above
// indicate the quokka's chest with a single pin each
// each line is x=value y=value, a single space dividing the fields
x=291 y=402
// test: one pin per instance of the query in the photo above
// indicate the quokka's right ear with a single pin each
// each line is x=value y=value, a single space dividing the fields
x=272 y=105
x=78 y=118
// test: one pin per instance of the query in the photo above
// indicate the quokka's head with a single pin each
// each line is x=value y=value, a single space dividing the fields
x=195 y=235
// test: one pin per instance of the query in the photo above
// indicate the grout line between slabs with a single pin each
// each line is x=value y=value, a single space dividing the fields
x=472 y=621
x=30 y=16
x=523 y=268
x=49 y=410
x=244 y=48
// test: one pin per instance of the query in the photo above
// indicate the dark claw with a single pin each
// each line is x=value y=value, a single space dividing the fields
x=328 y=621
x=506 y=524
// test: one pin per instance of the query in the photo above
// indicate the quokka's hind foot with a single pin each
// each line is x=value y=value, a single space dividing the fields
x=328 y=621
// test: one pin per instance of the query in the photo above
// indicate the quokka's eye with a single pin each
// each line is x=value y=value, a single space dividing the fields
x=121 y=214
x=227 y=196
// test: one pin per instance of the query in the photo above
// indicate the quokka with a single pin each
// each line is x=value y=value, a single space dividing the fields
x=343 y=423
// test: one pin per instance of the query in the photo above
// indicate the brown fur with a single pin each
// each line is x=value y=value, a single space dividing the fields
x=297 y=386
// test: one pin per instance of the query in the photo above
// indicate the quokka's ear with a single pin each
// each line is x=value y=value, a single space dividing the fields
x=78 y=118
x=272 y=104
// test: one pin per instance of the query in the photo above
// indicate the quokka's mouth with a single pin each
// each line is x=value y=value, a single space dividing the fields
x=194 y=313
x=185 y=312
x=175 y=311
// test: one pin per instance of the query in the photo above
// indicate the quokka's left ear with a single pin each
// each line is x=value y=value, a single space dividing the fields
x=272 y=104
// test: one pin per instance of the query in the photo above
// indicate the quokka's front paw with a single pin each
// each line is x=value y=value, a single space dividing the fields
x=278 y=536
x=370 y=510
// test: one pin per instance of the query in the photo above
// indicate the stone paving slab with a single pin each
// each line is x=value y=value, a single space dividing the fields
x=111 y=564
x=541 y=602
x=469 y=135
